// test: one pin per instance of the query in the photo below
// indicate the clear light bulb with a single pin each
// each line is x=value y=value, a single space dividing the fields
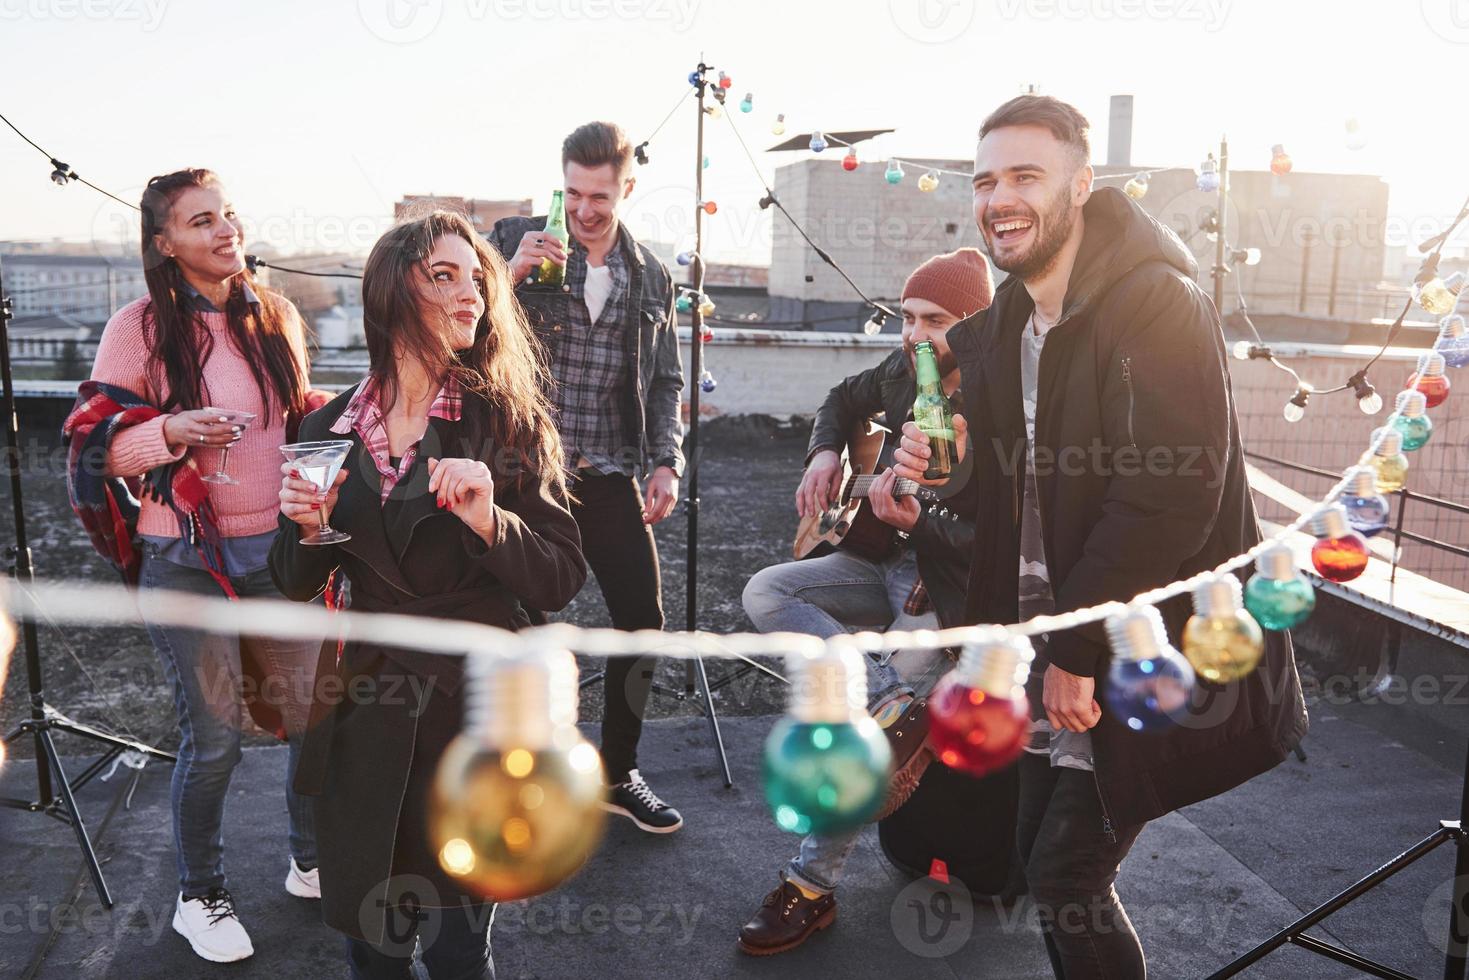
x=1356 y=136
x=818 y=142
x=979 y=718
x=929 y=182
x=707 y=382
x=1430 y=378
x=1387 y=460
x=1410 y=420
x=1453 y=340
x=1221 y=640
x=1136 y=187
x=1149 y=683
x=747 y=104
x=1434 y=296
x=826 y=763
x=1208 y=180
x=849 y=162
x=1242 y=350
x=1252 y=256
x=1370 y=403
x=778 y=128
x=894 y=172
x=1367 y=509
x=874 y=324
x=516 y=807
x=1339 y=554
x=715 y=110
x=1280 y=161
x=1295 y=409
x=1278 y=595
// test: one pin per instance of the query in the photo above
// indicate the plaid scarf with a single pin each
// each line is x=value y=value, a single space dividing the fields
x=108 y=505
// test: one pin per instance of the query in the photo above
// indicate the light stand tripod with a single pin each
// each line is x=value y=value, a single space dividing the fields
x=45 y=719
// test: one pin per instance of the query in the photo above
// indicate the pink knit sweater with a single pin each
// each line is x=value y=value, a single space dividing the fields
x=248 y=508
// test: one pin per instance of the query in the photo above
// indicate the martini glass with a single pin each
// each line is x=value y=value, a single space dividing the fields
x=318 y=463
x=234 y=417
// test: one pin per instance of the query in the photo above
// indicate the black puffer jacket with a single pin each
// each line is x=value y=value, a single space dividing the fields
x=1141 y=482
x=943 y=538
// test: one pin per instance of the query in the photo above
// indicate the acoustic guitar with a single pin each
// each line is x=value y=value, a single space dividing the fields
x=848 y=523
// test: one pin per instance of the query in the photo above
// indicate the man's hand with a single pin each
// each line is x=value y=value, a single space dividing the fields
x=901 y=512
x=660 y=495
x=911 y=458
x=535 y=246
x=1069 y=700
x=820 y=484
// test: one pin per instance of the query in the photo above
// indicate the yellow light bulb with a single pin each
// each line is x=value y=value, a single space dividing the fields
x=1392 y=472
x=706 y=307
x=929 y=182
x=1221 y=640
x=516 y=807
x=1435 y=297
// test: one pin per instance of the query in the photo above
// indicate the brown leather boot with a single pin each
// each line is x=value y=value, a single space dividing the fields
x=907 y=737
x=786 y=920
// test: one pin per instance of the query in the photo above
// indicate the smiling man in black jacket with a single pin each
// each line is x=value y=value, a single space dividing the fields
x=1108 y=461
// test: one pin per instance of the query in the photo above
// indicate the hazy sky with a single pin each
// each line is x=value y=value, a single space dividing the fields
x=321 y=113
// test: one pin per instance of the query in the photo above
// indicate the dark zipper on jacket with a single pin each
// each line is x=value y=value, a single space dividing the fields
x=1131 y=400
x=1102 y=799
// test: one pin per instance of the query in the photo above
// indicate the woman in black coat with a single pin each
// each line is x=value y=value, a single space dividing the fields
x=453 y=495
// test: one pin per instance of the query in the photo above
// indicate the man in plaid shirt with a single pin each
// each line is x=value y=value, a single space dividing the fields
x=609 y=331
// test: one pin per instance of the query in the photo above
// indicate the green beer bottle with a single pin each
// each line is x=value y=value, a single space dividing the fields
x=552 y=273
x=933 y=414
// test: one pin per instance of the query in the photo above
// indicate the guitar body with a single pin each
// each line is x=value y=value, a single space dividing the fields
x=849 y=523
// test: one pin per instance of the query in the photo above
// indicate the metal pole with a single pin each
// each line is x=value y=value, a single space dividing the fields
x=696 y=368
x=1456 y=962
x=1305 y=272
x=1220 y=269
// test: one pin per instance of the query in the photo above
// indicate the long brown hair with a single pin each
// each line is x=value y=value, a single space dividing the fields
x=178 y=342
x=503 y=374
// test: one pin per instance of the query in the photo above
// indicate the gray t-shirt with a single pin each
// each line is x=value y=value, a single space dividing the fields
x=1070 y=749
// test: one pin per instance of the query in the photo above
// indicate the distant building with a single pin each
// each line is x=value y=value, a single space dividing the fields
x=80 y=286
x=341 y=326
x=481 y=214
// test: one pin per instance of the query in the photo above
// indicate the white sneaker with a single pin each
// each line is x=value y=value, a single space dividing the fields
x=303 y=884
x=212 y=927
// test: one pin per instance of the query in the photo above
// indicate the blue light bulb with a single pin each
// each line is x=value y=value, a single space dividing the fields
x=1149 y=683
x=1367 y=510
x=1453 y=340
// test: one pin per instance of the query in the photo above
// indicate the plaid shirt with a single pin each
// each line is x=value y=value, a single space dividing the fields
x=592 y=369
x=364 y=415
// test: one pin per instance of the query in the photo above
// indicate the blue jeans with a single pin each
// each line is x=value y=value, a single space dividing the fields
x=455 y=944
x=205 y=673
x=827 y=596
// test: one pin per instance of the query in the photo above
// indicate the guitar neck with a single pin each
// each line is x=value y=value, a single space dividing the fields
x=862 y=484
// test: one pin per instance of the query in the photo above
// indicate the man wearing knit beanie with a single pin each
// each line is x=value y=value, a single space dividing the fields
x=918 y=584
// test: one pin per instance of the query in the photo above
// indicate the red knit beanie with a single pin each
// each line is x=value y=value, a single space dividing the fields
x=959 y=282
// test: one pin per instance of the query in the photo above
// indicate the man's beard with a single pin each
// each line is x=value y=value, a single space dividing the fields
x=1055 y=226
x=945 y=359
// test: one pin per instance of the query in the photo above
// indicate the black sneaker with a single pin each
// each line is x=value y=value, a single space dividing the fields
x=636 y=801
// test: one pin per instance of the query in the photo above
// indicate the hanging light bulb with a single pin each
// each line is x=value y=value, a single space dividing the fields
x=725 y=81
x=874 y=324
x=929 y=182
x=695 y=77
x=684 y=303
x=1368 y=400
x=894 y=172
x=1248 y=350
x=641 y=153
x=686 y=258
x=706 y=333
x=1410 y=420
x=1149 y=683
x=1208 y=181
x=747 y=104
x=706 y=306
x=715 y=110
x=709 y=207
x=1356 y=135
x=1432 y=293
x=1295 y=409
x=1339 y=554
x=517 y=800
x=707 y=382
x=826 y=763
x=1367 y=509
x=1453 y=340
x=1209 y=225
x=1137 y=187
x=818 y=142
x=1387 y=460
x=778 y=127
x=979 y=718
x=1430 y=378
x=1221 y=641
x=1246 y=256
x=1280 y=161
x=1278 y=595
x=849 y=162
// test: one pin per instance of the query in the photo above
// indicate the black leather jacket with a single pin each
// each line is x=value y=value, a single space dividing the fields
x=943 y=541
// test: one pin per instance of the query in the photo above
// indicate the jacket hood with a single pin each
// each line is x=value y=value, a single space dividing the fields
x=1119 y=237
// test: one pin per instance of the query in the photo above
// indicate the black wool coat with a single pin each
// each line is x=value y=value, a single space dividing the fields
x=1141 y=482
x=382 y=716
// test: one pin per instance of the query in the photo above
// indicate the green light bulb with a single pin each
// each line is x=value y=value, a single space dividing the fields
x=1410 y=420
x=1278 y=595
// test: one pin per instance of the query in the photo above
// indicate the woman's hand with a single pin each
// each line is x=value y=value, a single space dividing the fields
x=301 y=501
x=200 y=428
x=465 y=488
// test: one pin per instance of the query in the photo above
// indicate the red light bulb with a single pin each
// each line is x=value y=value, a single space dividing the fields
x=1430 y=379
x=1280 y=161
x=725 y=81
x=1339 y=554
x=979 y=715
x=849 y=162
x=709 y=207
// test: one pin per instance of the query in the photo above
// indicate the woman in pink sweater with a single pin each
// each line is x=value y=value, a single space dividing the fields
x=206 y=335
